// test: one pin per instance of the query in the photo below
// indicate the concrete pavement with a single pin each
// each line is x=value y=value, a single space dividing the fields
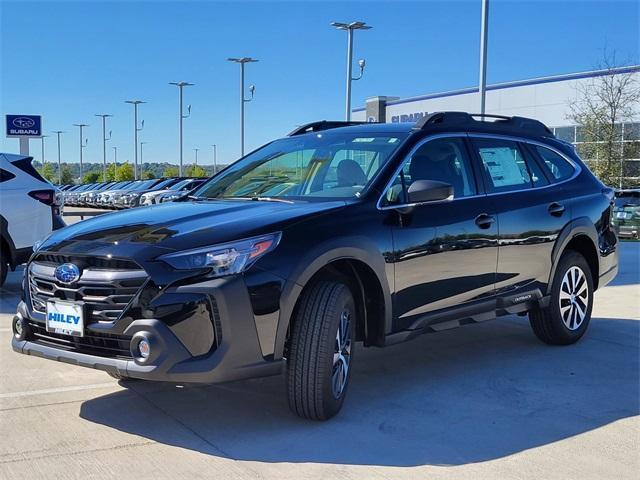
x=484 y=401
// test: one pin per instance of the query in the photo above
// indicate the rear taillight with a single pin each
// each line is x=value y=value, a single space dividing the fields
x=45 y=196
x=48 y=197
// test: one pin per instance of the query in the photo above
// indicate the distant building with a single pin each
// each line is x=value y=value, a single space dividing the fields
x=546 y=99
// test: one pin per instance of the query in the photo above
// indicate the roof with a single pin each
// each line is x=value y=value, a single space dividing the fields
x=516 y=83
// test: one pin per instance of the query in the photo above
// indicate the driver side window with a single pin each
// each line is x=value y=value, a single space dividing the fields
x=444 y=160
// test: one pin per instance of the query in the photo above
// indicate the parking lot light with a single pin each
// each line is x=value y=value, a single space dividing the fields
x=104 y=143
x=82 y=144
x=58 y=133
x=350 y=27
x=136 y=129
x=243 y=100
x=180 y=86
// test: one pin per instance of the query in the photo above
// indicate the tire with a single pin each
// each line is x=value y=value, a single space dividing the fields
x=566 y=324
x=319 y=366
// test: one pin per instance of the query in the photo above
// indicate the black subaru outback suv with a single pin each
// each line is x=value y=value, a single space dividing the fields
x=338 y=233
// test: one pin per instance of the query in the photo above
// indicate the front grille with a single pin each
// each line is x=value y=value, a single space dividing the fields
x=92 y=343
x=106 y=286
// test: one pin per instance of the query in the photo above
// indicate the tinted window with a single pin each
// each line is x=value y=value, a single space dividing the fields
x=504 y=166
x=5 y=175
x=560 y=169
x=444 y=160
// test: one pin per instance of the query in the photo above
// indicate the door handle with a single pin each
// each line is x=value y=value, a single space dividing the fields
x=556 y=209
x=484 y=220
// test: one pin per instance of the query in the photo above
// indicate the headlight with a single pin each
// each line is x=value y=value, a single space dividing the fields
x=225 y=259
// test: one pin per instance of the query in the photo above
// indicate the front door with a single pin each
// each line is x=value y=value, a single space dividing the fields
x=445 y=253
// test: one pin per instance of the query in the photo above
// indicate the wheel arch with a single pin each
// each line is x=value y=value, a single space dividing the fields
x=580 y=236
x=363 y=268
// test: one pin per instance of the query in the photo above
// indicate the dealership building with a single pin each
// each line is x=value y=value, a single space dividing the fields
x=547 y=99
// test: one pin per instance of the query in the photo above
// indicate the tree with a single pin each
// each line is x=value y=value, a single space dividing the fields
x=48 y=172
x=67 y=176
x=91 y=177
x=171 y=172
x=195 y=171
x=601 y=106
x=148 y=175
x=124 y=172
x=111 y=172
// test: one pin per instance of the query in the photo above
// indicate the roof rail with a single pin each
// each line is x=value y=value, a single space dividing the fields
x=502 y=122
x=322 y=125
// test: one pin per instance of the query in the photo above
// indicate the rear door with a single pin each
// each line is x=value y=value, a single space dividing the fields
x=530 y=209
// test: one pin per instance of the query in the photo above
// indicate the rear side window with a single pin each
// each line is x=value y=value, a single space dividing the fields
x=504 y=166
x=559 y=168
x=25 y=165
x=5 y=175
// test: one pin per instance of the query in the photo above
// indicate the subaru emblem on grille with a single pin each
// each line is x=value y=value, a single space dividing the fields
x=67 y=273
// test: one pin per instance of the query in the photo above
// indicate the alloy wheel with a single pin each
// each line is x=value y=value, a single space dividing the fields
x=574 y=298
x=341 y=355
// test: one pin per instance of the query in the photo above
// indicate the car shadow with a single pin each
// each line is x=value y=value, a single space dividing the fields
x=469 y=395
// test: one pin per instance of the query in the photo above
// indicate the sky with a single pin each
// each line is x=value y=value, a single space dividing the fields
x=71 y=60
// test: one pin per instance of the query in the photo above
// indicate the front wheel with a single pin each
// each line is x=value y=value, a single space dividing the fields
x=567 y=316
x=321 y=351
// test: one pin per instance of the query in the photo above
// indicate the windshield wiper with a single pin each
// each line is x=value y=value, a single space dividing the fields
x=256 y=198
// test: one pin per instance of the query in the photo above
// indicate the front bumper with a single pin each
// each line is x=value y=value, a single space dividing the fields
x=237 y=353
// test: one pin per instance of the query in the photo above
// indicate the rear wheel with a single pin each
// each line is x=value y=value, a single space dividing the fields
x=321 y=351
x=567 y=316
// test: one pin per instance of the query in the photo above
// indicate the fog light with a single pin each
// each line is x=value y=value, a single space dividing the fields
x=19 y=328
x=144 y=348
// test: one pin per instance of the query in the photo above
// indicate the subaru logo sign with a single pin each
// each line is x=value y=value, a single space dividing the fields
x=23 y=122
x=67 y=273
x=24 y=125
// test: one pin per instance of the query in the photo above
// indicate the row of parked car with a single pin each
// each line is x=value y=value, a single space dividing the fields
x=129 y=193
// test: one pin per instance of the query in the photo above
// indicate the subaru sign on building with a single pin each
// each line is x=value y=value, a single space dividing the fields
x=24 y=125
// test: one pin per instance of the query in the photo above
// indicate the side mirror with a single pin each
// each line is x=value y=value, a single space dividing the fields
x=422 y=191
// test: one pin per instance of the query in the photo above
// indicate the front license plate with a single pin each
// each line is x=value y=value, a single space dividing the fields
x=65 y=317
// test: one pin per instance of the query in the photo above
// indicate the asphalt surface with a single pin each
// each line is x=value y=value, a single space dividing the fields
x=484 y=401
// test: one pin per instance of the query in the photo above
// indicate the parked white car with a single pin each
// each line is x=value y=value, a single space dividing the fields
x=29 y=210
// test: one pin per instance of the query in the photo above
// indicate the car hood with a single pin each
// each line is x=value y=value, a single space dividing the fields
x=175 y=226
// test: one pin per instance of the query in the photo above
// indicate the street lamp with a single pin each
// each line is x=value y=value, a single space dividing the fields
x=350 y=27
x=135 y=104
x=141 y=144
x=115 y=161
x=58 y=132
x=484 y=32
x=196 y=150
x=82 y=144
x=180 y=86
x=104 y=143
x=215 y=160
x=42 y=137
x=252 y=88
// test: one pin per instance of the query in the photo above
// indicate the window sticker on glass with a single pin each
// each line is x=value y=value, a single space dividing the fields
x=503 y=167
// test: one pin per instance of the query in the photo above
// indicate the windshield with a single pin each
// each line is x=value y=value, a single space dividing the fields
x=316 y=166
x=179 y=185
x=144 y=185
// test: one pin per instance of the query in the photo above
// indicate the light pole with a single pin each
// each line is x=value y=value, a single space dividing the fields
x=135 y=104
x=196 y=150
x=252 y=88
x=484 y=32
x=180 y=86
x=42 y=137
x=115 y=161
x=141 y=144
x=104 y=143
x=58 y=132
x=350 y=27
x=215 y=160
x=82 y=144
